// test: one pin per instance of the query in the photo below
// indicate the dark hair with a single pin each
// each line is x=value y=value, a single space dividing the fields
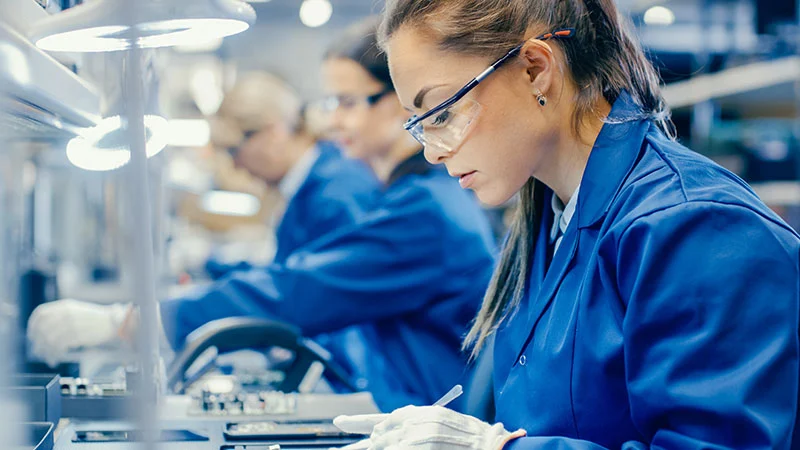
x=360 y=44
x=603 y=59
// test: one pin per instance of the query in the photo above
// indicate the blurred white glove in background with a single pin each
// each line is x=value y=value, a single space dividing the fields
x=426 y=428
x=57 y=327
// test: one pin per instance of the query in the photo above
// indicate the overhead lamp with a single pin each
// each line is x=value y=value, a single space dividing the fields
x=208 y=46
x=659 y=15
x=315 y=13
x=107 y=25
x=229 y=203
x=104 y=147
x=206 y=90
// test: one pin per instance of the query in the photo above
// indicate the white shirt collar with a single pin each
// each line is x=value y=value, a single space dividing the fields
x=298 y=174
x=562 y=215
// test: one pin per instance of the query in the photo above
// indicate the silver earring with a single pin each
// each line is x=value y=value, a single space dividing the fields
x=541 y=98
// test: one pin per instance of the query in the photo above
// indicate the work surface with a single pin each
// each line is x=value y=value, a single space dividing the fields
x=173 y=416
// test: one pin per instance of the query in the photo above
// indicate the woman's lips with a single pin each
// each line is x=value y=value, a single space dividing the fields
x=467 y=179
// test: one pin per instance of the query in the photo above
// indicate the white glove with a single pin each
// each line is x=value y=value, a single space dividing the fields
x=426 y=428
x=57 y=327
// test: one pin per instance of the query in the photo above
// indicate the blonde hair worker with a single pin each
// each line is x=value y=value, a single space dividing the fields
x=646 y=298
x=260 y=124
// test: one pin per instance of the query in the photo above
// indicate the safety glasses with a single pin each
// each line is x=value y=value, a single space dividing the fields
x=446 y=125
x=348 y=102
x=246 y=135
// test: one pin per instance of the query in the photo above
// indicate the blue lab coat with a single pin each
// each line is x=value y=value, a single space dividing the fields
x=337 y=192
x=409 y=277
x=668 y=317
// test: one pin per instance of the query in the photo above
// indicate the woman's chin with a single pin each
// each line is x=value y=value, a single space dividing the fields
x=491 y=197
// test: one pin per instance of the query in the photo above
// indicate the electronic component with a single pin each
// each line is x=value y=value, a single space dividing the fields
x=84 y=387
x=40 y=393
x=81 y=398
x=291 y=433
x=252 y=447
x=244 y=404
x=86 y=436
x=223 y=395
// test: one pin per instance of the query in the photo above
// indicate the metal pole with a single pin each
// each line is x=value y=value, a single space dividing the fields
x=703 y=113
x=11 y=410
x=142 y=269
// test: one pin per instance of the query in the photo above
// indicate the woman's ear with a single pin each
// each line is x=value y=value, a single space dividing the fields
x=540 y=65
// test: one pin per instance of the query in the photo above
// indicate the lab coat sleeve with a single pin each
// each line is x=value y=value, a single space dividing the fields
x=386 y=266
x=217 y=269
x=710 y=330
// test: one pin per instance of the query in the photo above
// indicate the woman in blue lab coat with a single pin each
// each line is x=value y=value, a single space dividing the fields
x=646 y=298
x=393 y=293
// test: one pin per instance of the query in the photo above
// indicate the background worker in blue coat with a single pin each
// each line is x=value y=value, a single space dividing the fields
x=646 y=298
x=393 y=293
x=262 y=124
x=389 y=294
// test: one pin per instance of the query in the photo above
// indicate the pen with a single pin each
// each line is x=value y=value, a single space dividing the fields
x=451 y=395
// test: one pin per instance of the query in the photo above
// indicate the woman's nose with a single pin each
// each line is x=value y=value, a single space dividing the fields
x=436 y=155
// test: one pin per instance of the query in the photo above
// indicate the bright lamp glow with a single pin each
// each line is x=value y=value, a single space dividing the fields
x=659 y=15
x=230 y=203
x=104 y=147
x=109 y=25
x=16 y=63
x=151 y=35
x=209 y=46
x=188 y=133
x=315 y=13
x=206 y=91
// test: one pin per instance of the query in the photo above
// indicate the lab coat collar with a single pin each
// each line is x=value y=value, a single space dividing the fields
x=414 y=165
x=543 y=281
x=616 y=150
x=298 y=174
x=613 y=156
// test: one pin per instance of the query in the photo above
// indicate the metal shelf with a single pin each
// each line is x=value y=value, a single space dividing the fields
x=767 y=82
x=40 y=97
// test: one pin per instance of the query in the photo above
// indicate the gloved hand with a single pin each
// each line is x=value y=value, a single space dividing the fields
x=57 y=327
x=426 y=428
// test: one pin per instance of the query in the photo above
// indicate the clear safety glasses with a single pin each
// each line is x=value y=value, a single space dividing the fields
x=446 y=125
x=349 y=102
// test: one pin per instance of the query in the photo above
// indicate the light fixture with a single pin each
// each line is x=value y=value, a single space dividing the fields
x=105 y=25
x=16 y=63
x=659 y=15
x=229 y=203
x=206 y=90
x=104 y=147
x=208 y=46
x=315 y=13
x=188 y=133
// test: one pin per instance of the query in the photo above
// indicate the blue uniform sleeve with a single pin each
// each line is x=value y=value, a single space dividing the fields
x=217 y=269
x=710 y=330
x=386 y=266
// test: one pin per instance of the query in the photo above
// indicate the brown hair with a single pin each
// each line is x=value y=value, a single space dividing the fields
x=603 y=59
x=359 y=43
